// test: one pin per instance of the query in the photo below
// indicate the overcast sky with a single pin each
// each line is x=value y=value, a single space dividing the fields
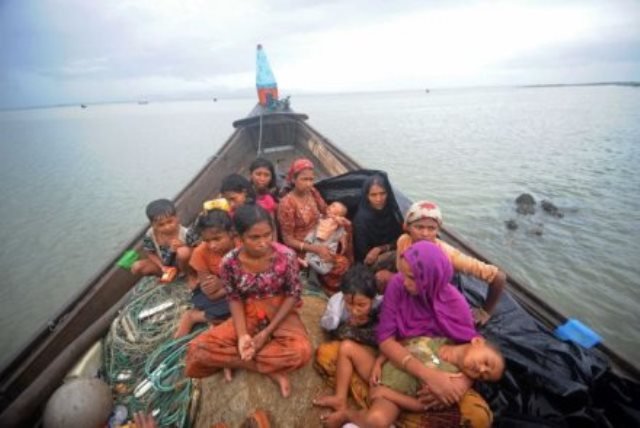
x=72 y=51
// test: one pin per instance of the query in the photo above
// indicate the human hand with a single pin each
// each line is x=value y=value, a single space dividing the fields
x=245 y=347
x=372 y=256
x=376 y=374
x=259 y=340
x=462 y=382
x=429 y=400
x=144 y=420
x=169 y=273
x=444 y=388
x=480 y=316
x=210 y=285
x=382 y=279
x=377 y=392
x=176 y=243
x=343 y=221
x=325 y=253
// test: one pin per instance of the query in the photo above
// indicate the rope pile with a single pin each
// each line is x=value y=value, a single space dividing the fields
x=143 y=363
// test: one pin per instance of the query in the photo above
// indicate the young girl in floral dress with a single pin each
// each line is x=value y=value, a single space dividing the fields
x=265 y=333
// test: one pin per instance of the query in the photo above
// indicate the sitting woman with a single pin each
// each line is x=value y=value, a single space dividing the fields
x=422 y=223
x=263 y=179
x=265 y=333
x=299 y=212
x=420 y=304
x=377 y=224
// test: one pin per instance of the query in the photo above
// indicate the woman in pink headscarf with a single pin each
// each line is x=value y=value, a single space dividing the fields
x=299 y=212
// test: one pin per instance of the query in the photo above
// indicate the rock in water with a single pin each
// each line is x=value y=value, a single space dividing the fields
x=550 y=208
x=525 y=204
x=511 y=224
x=233 y=402
x=536 y=230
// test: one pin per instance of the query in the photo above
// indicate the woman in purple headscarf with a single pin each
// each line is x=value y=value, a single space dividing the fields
x=419 y=305
x=419 y=301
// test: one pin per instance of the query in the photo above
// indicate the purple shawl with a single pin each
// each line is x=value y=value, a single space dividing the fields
x=438 y=309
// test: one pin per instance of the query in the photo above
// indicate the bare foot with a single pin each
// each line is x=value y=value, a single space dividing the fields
x=283 y=382
x=335 y=419
x=333 y=401
x=184 y=326
x=228 y=374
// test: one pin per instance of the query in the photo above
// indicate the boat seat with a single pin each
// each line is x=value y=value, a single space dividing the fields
x=276 y=149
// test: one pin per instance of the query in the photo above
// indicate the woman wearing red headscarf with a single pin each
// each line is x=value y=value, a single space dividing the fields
x=299 y=212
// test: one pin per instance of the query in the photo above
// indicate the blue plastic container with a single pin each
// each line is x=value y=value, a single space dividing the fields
x=577 y=332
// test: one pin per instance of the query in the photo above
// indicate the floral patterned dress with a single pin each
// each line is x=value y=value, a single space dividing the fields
x=289 y=347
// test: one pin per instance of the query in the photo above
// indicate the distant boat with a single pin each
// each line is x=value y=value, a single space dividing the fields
x=215 y=100
x=427 y=91
x=83 y=106
x=142 y=102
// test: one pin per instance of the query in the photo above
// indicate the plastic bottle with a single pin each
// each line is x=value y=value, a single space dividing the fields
x=128 y=259
x=118 y=417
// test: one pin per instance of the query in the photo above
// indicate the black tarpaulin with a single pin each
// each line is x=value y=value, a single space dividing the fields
x=549 y=382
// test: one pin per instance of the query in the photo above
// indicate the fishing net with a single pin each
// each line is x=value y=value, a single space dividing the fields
x=142 y=362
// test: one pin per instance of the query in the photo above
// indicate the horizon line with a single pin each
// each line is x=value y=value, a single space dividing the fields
x=245 y=93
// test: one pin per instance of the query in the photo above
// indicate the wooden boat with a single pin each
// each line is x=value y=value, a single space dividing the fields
x=278 y=134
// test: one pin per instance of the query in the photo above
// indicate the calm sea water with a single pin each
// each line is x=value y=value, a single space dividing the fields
x=74 y=184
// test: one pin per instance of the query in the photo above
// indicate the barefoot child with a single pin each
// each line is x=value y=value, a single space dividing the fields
x=265 y=333
x=164 y=243
x=350 y=318
x=478 y=360
x=208 y=298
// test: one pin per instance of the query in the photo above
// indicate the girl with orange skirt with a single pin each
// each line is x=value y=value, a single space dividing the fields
x=265 y=333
